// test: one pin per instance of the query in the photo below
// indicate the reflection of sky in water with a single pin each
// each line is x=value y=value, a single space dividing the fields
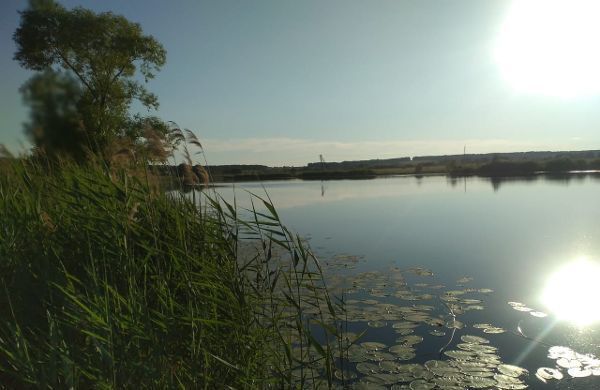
x=511 y=236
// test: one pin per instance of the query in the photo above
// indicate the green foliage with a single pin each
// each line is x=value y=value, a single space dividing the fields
x=104 y=52
x=55 y=127
x=107 y=284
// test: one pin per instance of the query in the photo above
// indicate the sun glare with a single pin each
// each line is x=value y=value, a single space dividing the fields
x=550 y=47
x=573 y=292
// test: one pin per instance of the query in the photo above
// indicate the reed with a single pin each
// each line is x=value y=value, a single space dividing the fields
x=108 y=283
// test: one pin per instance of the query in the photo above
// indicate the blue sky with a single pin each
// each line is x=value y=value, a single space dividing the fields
x=280 y=82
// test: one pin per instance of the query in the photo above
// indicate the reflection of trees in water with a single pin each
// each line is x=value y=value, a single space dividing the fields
x=453 y=180
x=560 y=178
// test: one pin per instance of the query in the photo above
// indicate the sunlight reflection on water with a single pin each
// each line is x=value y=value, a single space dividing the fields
x=572 y=292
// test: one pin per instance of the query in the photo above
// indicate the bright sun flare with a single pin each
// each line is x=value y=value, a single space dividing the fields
x=551 y=47
x=573 y=292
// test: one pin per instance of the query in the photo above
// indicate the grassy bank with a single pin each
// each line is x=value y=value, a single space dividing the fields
x=108 y=283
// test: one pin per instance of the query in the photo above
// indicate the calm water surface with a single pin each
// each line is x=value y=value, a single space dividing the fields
x=509 y=236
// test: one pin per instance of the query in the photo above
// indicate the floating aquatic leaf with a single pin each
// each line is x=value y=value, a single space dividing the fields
x=400 y=348
x=470 y=365
x=444 y=382
x=345 y=375
x=454 y=324
x=482 y=326
x=474 y=339
x=404 y=325
x=465 y=279
x=568 y=363
x=470 y=301
x=356 y=358
x=387 y=379
x=479 y=348
x=481 y=373
x=558 y=351
x=408 y=355
x=437 y=333
x=455 y=292
x=376 y=324
x=538 y=314
x=493 y=330
x=578 y=372
x=480 y=383
x=441 y=368
x=380 y=356
x=485 y=290
x=421 y=384
x=388 y=365
x=367 y=368
x=458 y=354
x=513 y=371
x=370 y=383
x=501 y=378
x=511 y=386
x=436 y=363
x=410 y=340
x=434 y=321
x=421 y=271
x=373 y=346
x=547 y=373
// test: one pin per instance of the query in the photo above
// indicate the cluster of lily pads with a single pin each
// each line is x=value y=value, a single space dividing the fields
x=576 y=364
x=386 y=302
x=518 y=306
x=384 y=299
x=474 y=364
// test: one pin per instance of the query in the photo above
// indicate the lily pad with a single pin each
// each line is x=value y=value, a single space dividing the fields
x=474 y=339
x=373 y=346
x=367 y=368
x=494 y=330
x=512 y=371
x=437 y=333
x=547 y=373
x=578 y=372
x=421 y=384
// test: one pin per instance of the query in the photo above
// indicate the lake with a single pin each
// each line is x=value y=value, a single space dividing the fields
x=511 y=236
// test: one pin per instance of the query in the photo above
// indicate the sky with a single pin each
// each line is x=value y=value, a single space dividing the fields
x=281 y=82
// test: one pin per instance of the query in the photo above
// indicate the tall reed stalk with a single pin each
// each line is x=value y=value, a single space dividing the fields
x=107 y=283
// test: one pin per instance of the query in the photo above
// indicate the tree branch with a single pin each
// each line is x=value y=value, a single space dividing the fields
x=64 y=59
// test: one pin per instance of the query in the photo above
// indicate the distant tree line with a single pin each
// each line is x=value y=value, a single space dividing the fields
x=498 y=167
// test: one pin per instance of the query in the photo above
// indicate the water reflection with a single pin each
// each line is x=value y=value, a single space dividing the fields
x=559 y=178
x=509 y=241
x=572 y=292
x=298 y=193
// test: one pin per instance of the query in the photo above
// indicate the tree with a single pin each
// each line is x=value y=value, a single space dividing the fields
x=55 y=127
x=102 y=52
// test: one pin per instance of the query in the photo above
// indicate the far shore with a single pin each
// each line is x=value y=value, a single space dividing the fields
x=496 y=165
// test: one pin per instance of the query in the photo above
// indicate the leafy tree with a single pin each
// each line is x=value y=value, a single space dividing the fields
x=55 y=127
x=103 y=52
